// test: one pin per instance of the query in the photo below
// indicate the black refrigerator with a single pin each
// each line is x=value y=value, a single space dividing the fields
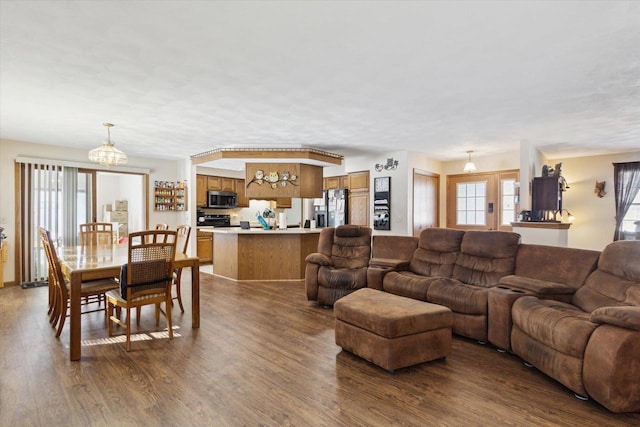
x=337 y=206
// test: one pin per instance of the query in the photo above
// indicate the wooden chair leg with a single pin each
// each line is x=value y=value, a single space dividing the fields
x=63 y=317
x=138 y=311
x=128 y=329
x=179 y=296
x=168 y=314
x=109 y=309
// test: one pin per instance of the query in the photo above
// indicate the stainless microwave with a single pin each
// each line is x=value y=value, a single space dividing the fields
x=222 y=199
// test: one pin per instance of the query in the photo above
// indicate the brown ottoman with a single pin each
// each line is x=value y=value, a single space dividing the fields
x=392 y=331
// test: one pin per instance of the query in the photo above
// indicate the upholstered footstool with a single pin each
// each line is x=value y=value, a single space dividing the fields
x=392 y=331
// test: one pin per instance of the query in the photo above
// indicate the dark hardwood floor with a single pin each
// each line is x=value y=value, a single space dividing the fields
x=263 y=356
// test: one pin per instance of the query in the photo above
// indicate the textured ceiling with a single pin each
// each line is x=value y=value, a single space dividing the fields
x=181 y=78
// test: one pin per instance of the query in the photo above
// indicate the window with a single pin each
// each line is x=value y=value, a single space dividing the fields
x=470 y=204
x=626 y=185
x=508 y=205
x=631 y=221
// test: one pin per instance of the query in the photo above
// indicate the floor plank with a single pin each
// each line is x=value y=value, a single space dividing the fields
x=263 y=356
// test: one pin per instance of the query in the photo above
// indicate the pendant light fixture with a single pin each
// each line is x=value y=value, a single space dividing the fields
x=108 y=154
x=469 y=167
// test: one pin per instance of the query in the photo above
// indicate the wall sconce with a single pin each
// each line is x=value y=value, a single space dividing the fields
x=569 y=217
x=389 y=166
x=599 y=190
x=469 y=167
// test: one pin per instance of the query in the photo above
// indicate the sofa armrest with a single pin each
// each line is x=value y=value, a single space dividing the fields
x=542 y=288
x=320 y=259
x=623 y=316
x=390 y=263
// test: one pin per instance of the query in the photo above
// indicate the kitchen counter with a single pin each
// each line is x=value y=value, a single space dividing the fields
x=259 y=254
x=238 y=230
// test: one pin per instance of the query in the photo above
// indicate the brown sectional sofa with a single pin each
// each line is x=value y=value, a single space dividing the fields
x=573 y=314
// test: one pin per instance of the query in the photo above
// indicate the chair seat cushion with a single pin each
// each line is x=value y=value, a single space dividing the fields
x=458 y=296
x=151 y=274
x=557 y=325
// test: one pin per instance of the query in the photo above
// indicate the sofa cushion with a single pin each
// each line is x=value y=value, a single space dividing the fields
x=437 y=252
x=342 y=278
x=486 y=256
x=458 y=296
x=407 y=284
x=351 y=247
x=557 y=325
x=616 y=282
x=567 y=266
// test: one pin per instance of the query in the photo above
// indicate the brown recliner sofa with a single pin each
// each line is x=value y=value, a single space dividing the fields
x=592 y=343
x=455 y=268
x=572 y=313
x=340 y=265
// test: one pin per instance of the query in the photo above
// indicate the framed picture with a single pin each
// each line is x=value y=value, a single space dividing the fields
x=382 y=203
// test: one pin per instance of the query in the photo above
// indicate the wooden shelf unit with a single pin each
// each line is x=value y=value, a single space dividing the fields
x=170 y=196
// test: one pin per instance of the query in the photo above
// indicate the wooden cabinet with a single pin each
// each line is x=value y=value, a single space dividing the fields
x=204 y=246
x=243 y=201
x=201 y=190
x=546 y=198
x=283 y=202
x=332 y=182
x=359 y=198
x=359 y=181
x=359 y=208
x=221 y=183
x=170 y=196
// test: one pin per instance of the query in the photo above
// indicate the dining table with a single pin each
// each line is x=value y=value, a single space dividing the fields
x=82 y=263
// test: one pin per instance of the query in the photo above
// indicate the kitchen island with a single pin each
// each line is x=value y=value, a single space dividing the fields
x=258 y=254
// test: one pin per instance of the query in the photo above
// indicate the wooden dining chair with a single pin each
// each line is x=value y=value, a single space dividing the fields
x=161 y=226
x=60 y=286
x=146 y=279
x=182 y=244
x=96 y=233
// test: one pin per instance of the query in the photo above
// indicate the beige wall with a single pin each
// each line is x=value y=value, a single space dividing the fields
x=595 y=217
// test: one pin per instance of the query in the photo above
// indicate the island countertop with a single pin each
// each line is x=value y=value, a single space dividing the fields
x=237 y=230
x=259 y=254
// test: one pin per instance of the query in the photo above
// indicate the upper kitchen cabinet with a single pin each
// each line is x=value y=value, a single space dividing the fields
x=333 y=182
x=243 y=201
x=359 y=181
x=201 y=190
x=221 y=183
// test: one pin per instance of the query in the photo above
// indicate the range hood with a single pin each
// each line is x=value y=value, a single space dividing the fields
x=275 y=180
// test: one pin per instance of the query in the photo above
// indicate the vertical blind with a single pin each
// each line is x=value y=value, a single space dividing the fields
x=40 y=199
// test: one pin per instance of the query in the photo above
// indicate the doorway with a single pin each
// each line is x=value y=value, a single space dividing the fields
x=426 y=196
x=483 y=201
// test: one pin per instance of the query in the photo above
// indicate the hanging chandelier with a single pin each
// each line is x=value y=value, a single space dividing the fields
x=108 y=154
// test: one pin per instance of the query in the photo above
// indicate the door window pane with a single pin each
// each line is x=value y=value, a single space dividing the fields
x=508 y=197
x=470 y=203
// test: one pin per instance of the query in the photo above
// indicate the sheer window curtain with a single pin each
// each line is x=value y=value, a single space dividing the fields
x=626 y=182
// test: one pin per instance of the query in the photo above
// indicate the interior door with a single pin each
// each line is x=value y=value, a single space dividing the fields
x=472 y=202
x=426 y=195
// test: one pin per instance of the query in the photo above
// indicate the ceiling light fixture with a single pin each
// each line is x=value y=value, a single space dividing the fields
x=469 y=167
x=107 y=154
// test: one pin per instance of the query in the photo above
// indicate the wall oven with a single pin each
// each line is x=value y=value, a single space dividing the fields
x=222 y=199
